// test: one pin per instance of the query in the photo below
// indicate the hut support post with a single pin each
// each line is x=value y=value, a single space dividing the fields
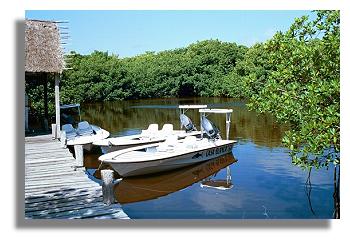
x=57 y=105
x=26 y=109
x=46 y=107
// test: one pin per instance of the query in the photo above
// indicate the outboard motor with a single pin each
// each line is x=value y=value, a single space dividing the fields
x=187 y=123
x=210 y=129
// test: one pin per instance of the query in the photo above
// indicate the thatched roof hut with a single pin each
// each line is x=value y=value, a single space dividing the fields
x=43 y=58
x=43 y=52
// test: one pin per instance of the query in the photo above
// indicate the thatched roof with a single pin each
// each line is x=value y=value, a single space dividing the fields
x=43 y=47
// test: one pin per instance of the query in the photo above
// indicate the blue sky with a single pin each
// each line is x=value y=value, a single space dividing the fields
x=128 y=33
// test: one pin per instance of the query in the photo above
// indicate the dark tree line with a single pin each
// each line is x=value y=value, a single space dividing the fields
x=196 y=70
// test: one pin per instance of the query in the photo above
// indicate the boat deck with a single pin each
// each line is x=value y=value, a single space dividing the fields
x=54 y=190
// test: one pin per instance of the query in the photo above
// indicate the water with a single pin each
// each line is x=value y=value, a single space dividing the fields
x=262 y=184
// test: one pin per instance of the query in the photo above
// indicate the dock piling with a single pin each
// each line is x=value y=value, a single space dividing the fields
x=107 y=186
x=79 y=156
x=63 y=139
x=53 y=131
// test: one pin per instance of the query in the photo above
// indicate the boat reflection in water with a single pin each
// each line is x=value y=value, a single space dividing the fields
x=136 y=189
x=220 y=184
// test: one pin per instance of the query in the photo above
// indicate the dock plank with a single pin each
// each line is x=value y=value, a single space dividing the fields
x=55 y=190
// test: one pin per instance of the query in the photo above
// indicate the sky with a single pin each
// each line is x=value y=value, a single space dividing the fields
x=129 y=33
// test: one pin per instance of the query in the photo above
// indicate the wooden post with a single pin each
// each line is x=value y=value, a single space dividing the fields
x=57 y=105
x=26 y=109
x=79 y=156
x=107 y=186
x=26 y=118
x=63 y=139
x=53 y=131
x=46 y=107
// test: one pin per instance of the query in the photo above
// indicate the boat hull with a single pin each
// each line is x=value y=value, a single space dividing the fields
x=127 y=169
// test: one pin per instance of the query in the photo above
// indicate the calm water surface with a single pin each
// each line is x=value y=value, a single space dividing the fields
x=257 y=182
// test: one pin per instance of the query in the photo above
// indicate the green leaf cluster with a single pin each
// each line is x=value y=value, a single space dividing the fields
x=303 y=88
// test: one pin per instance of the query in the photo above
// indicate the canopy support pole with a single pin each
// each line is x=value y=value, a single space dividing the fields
x=228 y=121
x=201 y=118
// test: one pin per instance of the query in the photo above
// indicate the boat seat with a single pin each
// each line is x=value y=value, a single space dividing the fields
x=70 y=131
x=152 y=127
x=84 y=129
x=150 y=132
x=167 y=128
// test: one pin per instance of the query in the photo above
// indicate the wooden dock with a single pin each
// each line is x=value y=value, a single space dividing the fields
x=55 y=190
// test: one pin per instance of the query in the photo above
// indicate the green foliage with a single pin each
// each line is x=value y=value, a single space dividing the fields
x=35 y=91
x=197 y=70
x=92 y=78
x=303 y=88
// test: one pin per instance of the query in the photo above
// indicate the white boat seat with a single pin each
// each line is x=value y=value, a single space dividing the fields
x=167 y=128
x=150 y=132
x=153 y=127
x=70 y=131
x=84 y=128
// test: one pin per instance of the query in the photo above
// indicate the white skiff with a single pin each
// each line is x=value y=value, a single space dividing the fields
x=169 y=155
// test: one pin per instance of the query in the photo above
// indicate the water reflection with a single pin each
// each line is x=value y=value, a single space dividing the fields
x=220 y=184
x=308 y=188
x=136 y=189
x=122 y=117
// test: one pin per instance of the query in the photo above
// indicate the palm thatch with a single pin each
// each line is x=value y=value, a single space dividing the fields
x=43 y=52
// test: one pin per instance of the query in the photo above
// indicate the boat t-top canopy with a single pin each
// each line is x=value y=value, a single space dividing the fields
x=192 y=106
x=184 y=108
x=65 y=106
x=216 y=111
